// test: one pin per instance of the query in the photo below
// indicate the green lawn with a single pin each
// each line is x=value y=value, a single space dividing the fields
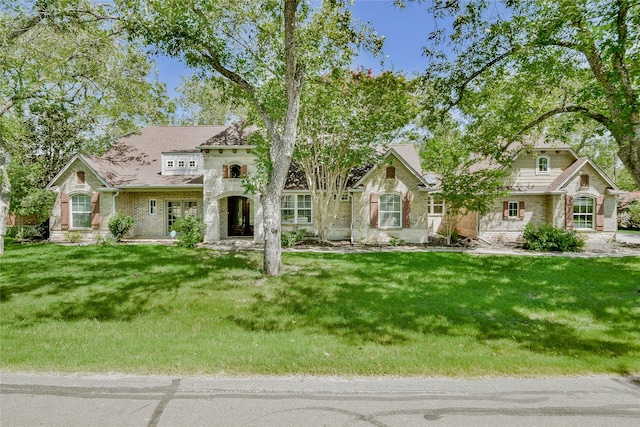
x=156 y=309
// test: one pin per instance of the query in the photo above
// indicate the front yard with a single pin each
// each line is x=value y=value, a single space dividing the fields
x=155 y=309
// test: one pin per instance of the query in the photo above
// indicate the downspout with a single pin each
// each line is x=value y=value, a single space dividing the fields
x=113 y=202
x=352 y=220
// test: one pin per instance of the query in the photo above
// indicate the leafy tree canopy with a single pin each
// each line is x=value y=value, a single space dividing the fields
x=517 y=64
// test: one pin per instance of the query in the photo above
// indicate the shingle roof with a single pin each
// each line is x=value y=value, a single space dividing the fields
x=135 y=160
x=567 y=173
x=233 y=135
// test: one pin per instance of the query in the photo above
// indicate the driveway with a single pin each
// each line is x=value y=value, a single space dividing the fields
x=629 y=238
x=115 y=400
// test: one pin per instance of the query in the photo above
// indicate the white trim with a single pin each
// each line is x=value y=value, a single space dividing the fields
x=72 y=225
x=296 y=209
x=380 y=211
x=548 y=169
x=398 y=157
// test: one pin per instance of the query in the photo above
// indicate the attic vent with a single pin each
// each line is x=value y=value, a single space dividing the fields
x=391 y=172
x=80 y=178
x=584 y=181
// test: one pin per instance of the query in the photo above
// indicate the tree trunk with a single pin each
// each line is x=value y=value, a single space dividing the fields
x=281 y=150
x=5 y=195
x=272 y=262
x=629 y=152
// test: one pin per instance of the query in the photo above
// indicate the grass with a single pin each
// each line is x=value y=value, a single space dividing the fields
x=629 y=231
x=156 y=309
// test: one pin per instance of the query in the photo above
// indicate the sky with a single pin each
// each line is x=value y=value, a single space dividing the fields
x=405 y=32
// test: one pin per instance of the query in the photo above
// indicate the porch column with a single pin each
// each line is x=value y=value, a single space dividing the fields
x=211 y=221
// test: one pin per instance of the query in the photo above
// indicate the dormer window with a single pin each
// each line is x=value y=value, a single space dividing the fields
x=543 y=165
x=169 y=163
x=192 y=163
x=180 y=163
x=236 y=171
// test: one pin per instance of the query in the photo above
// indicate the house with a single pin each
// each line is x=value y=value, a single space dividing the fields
x=162 y=174
x=550 y=183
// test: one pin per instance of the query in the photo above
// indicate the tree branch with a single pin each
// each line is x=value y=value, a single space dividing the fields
x=462 y=88
x=604 y=120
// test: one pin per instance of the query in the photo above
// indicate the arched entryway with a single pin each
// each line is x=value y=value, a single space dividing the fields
x=240 y=216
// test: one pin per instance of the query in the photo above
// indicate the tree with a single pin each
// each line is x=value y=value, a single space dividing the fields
x=251 y=43
x=69 y=84
x=468 y=182
x=5 y=195
x=205 y=101
x=345 y=117
x=549 y=58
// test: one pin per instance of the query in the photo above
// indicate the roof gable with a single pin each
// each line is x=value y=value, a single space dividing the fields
x=87 y=162
x=407 y=155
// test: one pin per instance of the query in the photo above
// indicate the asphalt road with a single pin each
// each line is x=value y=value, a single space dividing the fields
x=100 y=400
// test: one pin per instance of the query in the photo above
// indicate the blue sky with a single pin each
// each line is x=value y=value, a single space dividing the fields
x=405 y=30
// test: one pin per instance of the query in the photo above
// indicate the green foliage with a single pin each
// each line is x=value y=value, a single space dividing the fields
x=515 y=72
x=120 y=225
x=375 y=313
x=191 y=231
x=395 y=241
x=73 y=237
x=629 y=215
x=545 y=237
x=290 y=239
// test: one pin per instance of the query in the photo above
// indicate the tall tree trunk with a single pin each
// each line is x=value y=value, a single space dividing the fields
x=5 y=195
x=629 y=149
x=281 y=150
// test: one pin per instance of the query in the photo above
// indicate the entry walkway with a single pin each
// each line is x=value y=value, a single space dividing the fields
x=116 y=400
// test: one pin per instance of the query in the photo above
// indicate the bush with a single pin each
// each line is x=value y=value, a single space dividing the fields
x=191 y=231
x=119 y=225
x=289 y=239
x=545 y=237
x=629 y=215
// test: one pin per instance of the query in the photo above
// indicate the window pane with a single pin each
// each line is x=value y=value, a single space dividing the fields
x=390 y=219
x=82 y=220
x=583 y=212
x=304 y=201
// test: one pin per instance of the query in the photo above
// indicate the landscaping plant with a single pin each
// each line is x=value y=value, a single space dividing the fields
x=119 y=225
x=191 y=231
x=545 y=237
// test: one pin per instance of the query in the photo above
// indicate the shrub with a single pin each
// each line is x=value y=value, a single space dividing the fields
x=545 y=237
x=74 y=237
x=191 y=231
x=119 y=225
x=289 y=239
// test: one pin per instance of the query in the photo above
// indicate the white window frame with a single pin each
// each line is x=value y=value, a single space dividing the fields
x=433 y=204
x=170 y=164
x=513 y=209
x=539 y=171
x=296 y=203
x=192 y=164
x=589 y=217
x=153 y=207
x=396 y=214
x=181 y=163
x=75 y=212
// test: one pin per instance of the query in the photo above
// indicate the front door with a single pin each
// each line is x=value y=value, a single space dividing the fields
x=240 y=218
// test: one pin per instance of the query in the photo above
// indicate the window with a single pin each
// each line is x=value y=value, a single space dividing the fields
x=180 y=163
x=192 y=163
x=81 y=211
x=514 y=212
x=236 y=171
x=153 y=207
x=296 y=209
x=583 y=208
x=542 y=165
x=169 y=163
x=177 y=209
x=436 y=206
x=343 y=198
x=390 y=210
